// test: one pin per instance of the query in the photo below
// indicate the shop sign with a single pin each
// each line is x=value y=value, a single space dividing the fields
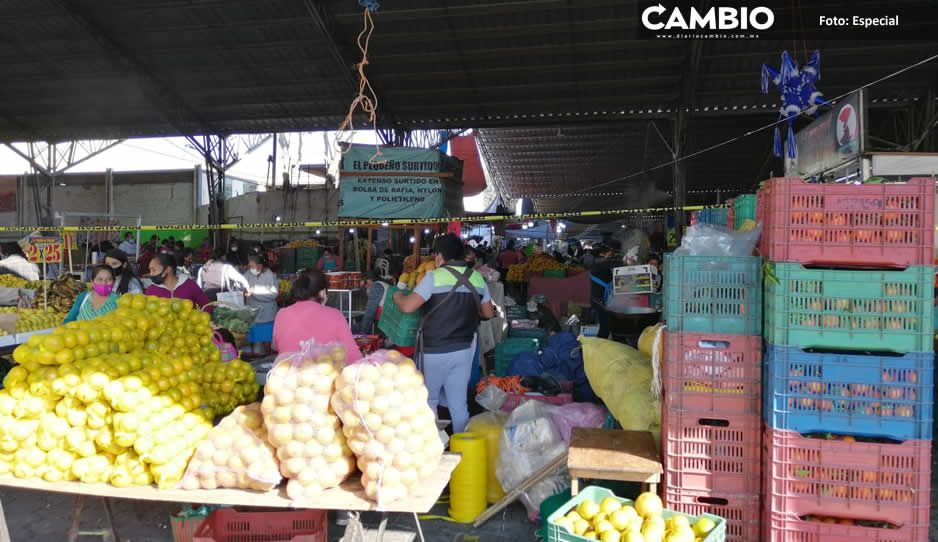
x=397 y=183
x=832 y=140
x=44 y=250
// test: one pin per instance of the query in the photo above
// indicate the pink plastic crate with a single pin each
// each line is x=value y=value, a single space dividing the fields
x=743 y=520
x=712 y=453
x=854 y=480
x=730 y=215
x=848 y=225
x=782 y=527
x=230 y=525
x=713 y=373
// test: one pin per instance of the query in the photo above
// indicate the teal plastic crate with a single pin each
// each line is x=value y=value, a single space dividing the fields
x=744 y=208
x=506 y=351
x=713 y=294
x=870 y=311
x=400 y=328
x=556 y=533
x=525 y=333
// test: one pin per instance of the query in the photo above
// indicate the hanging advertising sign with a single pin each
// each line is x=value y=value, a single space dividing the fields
x=833 y=139
x=399 y=182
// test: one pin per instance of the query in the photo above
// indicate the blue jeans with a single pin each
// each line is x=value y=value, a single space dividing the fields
x=449 y=374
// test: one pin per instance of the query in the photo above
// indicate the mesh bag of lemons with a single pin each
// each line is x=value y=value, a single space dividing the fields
x=235 y=454
x=122 y=399
x=301 y=425
x=390 y=428
x=597 y=514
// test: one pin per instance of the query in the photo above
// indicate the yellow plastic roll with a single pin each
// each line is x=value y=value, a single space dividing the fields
x=490 y=425
x=467 y=486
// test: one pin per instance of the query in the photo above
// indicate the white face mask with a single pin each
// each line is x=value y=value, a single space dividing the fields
x=255 y=272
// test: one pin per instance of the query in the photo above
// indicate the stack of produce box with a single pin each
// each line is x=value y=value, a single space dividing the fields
x=849 y=360
x=711 y=436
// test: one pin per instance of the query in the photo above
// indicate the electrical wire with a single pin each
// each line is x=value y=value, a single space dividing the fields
x=581 y=192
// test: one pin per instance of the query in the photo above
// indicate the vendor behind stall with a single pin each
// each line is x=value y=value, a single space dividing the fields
x=455 y=298
x=601 y=278
x=377 y=292
x=99 y=301
x=261 y=294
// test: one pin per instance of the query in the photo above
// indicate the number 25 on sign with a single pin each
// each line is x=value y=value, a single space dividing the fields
x=45 y=250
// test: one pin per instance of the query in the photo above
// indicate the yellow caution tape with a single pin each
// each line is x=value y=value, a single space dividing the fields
x=350 y=223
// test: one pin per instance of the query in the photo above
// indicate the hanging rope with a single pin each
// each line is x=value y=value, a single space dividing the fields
x=367 y=100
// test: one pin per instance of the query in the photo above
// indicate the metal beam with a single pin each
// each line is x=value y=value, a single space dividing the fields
x=167 y=101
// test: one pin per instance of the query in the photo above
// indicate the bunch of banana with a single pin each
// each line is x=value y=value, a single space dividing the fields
x=62 y=293
x=12 y=281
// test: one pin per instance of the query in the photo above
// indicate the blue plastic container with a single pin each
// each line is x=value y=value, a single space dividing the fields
x=849 y=394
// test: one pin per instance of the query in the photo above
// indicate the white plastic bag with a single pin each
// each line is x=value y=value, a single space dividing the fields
x=708 y=240
x=529 y=442
x=492 y=398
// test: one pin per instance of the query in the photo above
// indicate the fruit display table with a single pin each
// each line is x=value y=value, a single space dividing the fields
x=349 y=496
x=20 y=338
x=613 y=454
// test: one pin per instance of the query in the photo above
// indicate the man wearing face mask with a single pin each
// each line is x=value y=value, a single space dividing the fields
x=167 y=282
x=455 y=299
x=262 y=295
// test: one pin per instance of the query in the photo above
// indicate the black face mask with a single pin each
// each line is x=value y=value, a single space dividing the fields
x=157 y=279
x=118 y=270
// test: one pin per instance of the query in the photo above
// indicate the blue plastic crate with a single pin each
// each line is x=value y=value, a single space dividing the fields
x=713 y=294
x=715 y=216
x=849 y=394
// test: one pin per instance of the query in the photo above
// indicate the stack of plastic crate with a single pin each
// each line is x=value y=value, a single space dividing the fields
x=712 y=426
x=848 y=382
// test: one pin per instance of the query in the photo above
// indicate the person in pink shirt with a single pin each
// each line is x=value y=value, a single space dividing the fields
x=309 y=318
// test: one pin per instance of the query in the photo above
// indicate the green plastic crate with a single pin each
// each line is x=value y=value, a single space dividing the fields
x=308 y=257
x=506 y=351
x=400 y=328
x=556 y=533
x=744 y=208
x=713 y=294
x=877 y=311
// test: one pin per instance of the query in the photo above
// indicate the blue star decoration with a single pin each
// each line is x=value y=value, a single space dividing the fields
x=796 y=86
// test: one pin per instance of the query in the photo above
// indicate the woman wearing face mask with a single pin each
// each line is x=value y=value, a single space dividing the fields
x=262 y=294
x=309 y=318
x=218 y=275
x=99 y=301
x=167 y=283
x=125 y=281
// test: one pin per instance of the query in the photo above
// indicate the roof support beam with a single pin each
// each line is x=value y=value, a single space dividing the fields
x=173 y=108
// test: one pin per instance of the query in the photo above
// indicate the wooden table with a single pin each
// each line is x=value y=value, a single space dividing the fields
x=613 y=454
x=349 y=496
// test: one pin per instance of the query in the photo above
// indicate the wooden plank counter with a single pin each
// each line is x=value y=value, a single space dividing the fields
x=349 y=496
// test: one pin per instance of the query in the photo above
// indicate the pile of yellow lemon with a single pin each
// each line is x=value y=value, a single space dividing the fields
x=34 y=319
x=613 y=521
x=121 y=399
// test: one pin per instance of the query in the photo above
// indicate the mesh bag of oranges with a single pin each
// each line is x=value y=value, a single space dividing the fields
x=235 y=454
x=382 y=402
x=301 y=425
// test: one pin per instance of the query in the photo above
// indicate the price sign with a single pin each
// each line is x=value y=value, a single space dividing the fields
x=44 y=250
